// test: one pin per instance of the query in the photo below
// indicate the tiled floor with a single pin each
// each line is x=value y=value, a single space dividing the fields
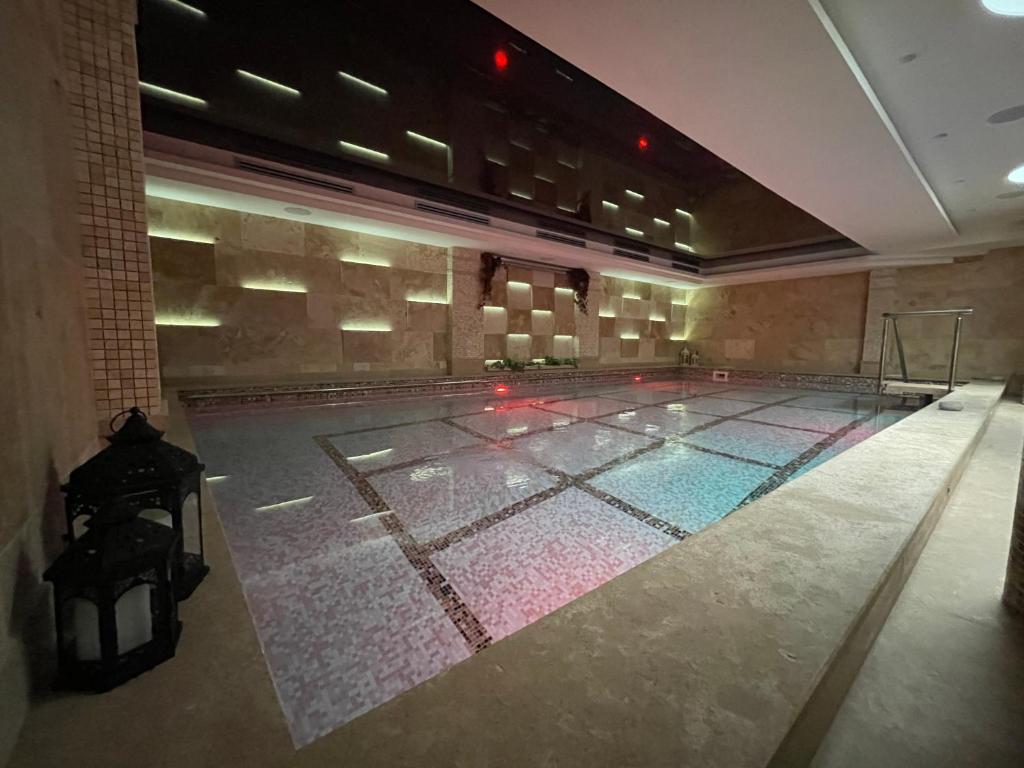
x=379 y=544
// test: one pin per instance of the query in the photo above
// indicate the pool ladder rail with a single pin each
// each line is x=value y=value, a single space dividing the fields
x=905 y=385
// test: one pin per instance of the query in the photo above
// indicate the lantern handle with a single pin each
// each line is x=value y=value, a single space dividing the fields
x=133 y=410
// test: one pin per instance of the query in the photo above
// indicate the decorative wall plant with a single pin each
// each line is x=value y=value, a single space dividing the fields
x=579 y=280
x=490 y=263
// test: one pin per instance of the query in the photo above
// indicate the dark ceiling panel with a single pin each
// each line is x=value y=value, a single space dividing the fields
x=539 y=133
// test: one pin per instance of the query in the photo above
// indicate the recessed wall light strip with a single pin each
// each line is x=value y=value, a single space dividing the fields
x=166 y=93
x=186 y=7
x=362 y=83
x=269 y=84
x=358 y=149
x=426 y=140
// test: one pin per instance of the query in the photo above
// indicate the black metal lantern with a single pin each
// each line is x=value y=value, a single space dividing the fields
x=141 y=475
x=114 y=602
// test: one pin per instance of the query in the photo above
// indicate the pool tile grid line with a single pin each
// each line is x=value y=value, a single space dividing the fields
x=506 y=439
x=784 y=473
x=442 y=543
x=466 y=622
x=566 y=480
x=359 y=478
x=726 y=455
x=786 y=426
x=482 y=411
x=736 y=394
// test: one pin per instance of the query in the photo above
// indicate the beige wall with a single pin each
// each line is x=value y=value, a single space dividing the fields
x=47 y=414
x=639 y=322
x=832 y=324
x=811 y=325
x=270 y=299
x=993 y=339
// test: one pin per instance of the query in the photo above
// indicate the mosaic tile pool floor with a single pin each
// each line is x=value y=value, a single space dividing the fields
x=379 y=544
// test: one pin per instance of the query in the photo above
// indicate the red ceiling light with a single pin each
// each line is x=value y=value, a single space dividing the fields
x=501 y=389
x=500 y=60
x=643 y=143
x=638 y=377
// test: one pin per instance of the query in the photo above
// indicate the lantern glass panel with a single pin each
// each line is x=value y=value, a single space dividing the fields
x=190 y=524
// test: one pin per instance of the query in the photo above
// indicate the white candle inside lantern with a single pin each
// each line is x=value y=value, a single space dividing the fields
x=131 y=613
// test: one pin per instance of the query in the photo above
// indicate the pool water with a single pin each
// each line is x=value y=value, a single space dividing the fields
x=378 y=544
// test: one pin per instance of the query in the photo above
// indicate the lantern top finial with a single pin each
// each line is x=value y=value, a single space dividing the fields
x=135 y=430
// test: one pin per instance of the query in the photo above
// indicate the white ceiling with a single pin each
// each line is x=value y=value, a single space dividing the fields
x=811 y=100
x=941 y=68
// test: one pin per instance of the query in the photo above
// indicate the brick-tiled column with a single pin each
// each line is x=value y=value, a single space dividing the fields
x=1013 y=590
x=98 y=43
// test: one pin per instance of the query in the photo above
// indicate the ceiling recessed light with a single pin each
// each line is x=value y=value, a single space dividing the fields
x=1016 y=176
x=1007 y=115
x=1004 y=7
x=907 y=58
x=297 y=211
x=941 y=136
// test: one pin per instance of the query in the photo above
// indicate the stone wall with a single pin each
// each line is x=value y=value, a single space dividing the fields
x=531 y=315
x=252 y=297
x=993 y=339
x=46 y=412
x=833 y=324
x=813 y=325
x=639 y=322
x=247 y=297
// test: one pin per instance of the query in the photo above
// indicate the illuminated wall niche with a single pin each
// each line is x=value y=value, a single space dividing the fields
x=640 y=322
x=244 y=295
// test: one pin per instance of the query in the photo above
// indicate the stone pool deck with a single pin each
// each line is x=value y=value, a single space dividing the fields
x=943 y=685
x=733 y=648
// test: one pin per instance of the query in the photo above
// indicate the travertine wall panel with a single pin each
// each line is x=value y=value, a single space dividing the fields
x=810 y=325
x=639 y=322
x=263 y=298
x=47 y=408
x=993 y=339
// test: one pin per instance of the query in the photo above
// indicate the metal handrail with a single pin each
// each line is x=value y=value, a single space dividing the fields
x=923 y=312
x=954 y=354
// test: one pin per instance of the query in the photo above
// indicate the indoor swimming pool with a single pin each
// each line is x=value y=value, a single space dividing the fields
x=378 y=544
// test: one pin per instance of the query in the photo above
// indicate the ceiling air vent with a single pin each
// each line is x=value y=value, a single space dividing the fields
x=630 y=245
x=631 y=255
x=564 y=239
x=685 y=267
x=453 y=214
x=451 y=198
x=279 y=173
